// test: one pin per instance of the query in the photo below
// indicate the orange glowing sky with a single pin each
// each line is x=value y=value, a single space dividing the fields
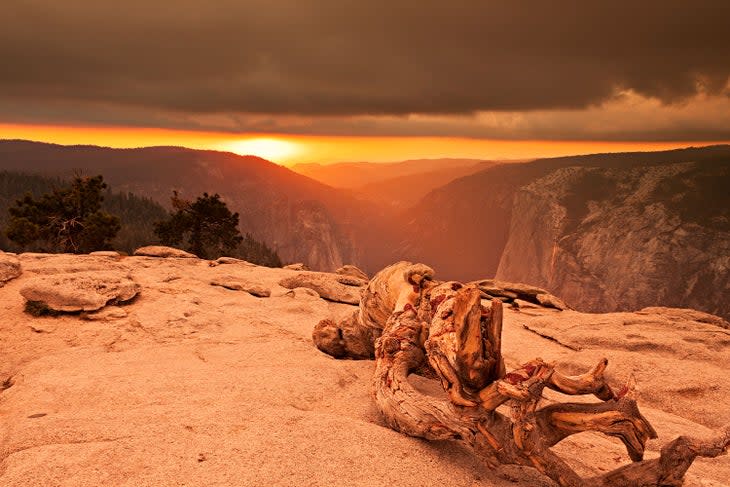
x=328 y=81
x=294 y=149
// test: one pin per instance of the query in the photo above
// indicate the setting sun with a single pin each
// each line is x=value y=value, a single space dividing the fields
x=275 y=150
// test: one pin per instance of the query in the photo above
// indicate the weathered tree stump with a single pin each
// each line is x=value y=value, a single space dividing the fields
x=408 y=321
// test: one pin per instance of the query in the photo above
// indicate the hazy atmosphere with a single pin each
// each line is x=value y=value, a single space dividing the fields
x=364 y=243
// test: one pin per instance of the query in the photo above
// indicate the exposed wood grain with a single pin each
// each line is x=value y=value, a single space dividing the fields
x=409 y=320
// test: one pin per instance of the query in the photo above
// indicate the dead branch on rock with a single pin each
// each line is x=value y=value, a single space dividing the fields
x=408 y=321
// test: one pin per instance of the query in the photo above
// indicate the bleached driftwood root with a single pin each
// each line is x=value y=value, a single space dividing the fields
x=408 y=322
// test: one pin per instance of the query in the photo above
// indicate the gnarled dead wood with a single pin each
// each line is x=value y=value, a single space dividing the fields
x=407 y=322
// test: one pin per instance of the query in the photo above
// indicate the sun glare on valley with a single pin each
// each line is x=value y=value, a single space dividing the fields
x=275 y=150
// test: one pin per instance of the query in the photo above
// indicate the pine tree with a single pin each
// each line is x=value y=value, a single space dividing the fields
x=69 y=219
x=206 y=226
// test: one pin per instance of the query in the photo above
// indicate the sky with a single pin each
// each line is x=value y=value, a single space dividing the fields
x=325 y=80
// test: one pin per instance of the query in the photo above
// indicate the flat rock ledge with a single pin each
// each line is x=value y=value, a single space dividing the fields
x=9 y=267
x=79 y=291
x=164 y=252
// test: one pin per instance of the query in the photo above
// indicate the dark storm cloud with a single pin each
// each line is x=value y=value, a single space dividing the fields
x=340 y=57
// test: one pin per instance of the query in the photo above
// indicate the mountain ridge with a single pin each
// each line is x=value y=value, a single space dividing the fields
x=304 y=220
x=463 y=226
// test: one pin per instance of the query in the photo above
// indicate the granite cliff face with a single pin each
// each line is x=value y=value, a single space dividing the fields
x=305 y=232
x=625 y=238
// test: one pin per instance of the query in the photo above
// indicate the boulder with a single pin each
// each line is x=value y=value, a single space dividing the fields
x=162 y=251
x=326 y=285
x=9 y=267
x=351 y=270
x=238 y=284
x=79 y=291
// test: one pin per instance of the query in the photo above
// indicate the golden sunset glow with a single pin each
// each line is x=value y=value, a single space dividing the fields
x=294 y=149
x=270 y=148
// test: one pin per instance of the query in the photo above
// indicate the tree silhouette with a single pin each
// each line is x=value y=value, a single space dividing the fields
x=206 y=226
x=69 y=219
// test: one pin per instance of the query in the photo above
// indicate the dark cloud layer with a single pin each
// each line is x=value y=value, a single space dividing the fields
x=346 y=57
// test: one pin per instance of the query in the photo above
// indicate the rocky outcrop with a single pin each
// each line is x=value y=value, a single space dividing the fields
x=191 y=381
x=9 y=267
x=624 y=239
x=79 y=291
x=164 y=252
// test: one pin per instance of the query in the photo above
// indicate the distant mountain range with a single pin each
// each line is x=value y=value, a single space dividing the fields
x=397 y=184
x=604 y=231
